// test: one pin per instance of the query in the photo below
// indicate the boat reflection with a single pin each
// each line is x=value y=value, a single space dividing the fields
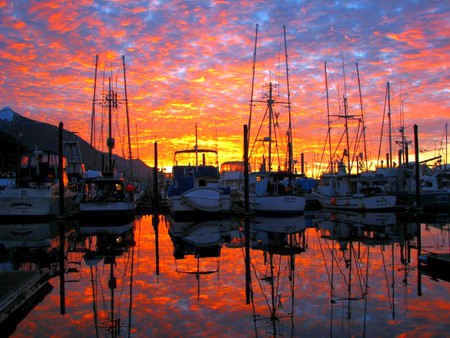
x=109 y=254
x=197 y=246
x=349 y=244
x=273 y=286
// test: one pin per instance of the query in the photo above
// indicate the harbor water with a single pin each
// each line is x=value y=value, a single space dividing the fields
x=321 y=274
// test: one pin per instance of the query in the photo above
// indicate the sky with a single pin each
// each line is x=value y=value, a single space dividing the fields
x=190 y=63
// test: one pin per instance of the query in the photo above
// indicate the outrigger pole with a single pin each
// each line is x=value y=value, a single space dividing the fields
x=253 y=85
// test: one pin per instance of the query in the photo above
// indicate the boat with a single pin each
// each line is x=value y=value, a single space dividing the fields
x=232 y=176
x=434 y=186
x=106 y=198
x=106 y=195
x=75 y=166
x=195 y=189
x=36 y=190
x=341 y=189
x=345 y=191
x=273 y=191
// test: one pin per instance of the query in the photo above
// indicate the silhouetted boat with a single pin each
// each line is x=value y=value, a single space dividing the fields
x=36 y=193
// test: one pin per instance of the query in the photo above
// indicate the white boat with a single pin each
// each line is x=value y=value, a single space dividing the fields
x=36 y=192
x=195 y=189
x=273 y=191
x=341 y=189
x=345 y=191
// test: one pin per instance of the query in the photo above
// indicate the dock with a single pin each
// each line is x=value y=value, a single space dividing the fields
x=437 y=265
x=20 y=291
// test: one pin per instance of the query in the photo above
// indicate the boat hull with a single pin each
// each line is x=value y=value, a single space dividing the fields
x=25 y=203
x=107 y=212
x=203 y=200
x=280 y=204
x=356 y=202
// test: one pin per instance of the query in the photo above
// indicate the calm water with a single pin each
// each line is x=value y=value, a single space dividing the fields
x=318 y=275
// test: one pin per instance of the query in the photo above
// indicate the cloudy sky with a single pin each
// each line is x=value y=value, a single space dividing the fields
x=190 y=62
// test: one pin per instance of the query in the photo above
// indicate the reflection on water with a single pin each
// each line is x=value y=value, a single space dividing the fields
x=320 y=274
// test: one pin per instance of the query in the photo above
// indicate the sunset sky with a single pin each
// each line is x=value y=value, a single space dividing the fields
x=190 y=62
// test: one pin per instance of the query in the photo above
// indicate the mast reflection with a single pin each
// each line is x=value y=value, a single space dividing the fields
x=279 y=240
x=109 y=254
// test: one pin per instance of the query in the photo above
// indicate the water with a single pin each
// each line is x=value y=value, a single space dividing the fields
x=318 y=275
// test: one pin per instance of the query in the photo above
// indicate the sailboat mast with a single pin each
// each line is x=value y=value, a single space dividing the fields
x=390 y=123
x=93 y=105
x=290 y=149
x=128 y=117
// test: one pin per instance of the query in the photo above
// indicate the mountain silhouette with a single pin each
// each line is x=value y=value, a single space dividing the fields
x=31 y=134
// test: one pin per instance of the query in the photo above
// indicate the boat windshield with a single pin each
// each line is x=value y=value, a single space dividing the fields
x=234 y=166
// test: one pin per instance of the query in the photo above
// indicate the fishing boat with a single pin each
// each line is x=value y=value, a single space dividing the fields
x=341 y=189
x=195 y=189
x=434 y=186
x=107 y=195
x=345 y=191
x=273 y=191
x=36 y=190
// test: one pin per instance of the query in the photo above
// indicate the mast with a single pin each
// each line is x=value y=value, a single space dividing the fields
x=253 y=84
x=362 y=117
x=290 y=149
x=390 y=124
x=128 y=118
x=93 y=105
x=346 y=117
x=270 y=106
x=110 y=141
x=196 y=148
x=328 y=117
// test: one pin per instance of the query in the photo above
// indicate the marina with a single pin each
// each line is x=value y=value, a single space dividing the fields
x=312 y=200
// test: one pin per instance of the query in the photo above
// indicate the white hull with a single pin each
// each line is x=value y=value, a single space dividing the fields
x=107 y=211
x=283 y=204
x=356 y=202
x=203 y=199
x=28 y=202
